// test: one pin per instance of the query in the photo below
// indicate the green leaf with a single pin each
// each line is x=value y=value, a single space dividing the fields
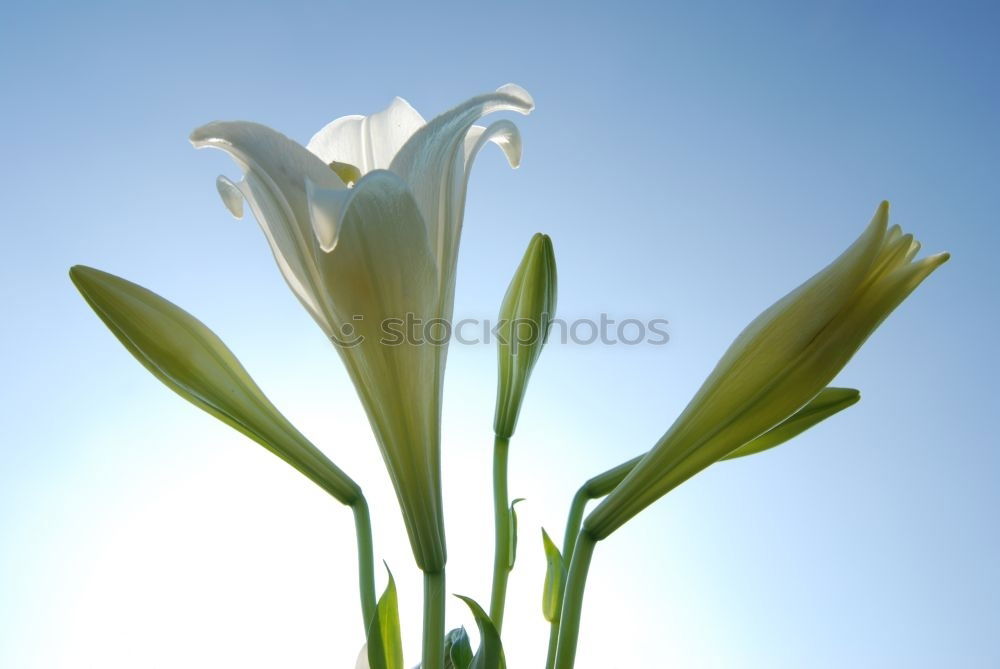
x=457 y=650
x=555 y=577
x=385 y=644
x=512 y=519
x=828 y=402
x=490 y=653
x=193 y=362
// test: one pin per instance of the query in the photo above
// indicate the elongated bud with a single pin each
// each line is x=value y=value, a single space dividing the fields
x=525 y=318
x=779 y=363
x=193 y=362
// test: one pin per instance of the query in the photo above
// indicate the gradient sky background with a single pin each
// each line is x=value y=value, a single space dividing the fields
x=691 y=162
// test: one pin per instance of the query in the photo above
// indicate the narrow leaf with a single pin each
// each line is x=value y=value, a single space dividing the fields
x=490 y=654
x=385 y=644
x=555 y=577
x=512 y=519
x=828 y=402
x=457 y=650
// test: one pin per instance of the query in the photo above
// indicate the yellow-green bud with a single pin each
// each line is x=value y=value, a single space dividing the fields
x=193 y=362
x=781 y=361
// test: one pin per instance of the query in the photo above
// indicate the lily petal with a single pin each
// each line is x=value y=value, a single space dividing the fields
x=326 y=209
x=503 y=133
x=276 y=172
x=384 y=272
x=327 y=206
x=435 y=164
x=367 y=142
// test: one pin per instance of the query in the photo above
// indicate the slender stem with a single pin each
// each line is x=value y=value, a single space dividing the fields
x=366 y=560
x=550 y=659
x=573 y=522
x=596 y=487
x=501 y=521
x=576 y=582
x=434 y=604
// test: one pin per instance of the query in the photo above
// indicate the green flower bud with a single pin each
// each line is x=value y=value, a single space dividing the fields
x=525 y=318
x=193 y=362
x=780 y=362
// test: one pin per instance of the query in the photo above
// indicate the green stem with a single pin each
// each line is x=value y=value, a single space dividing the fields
x=550 y=659
x=501 y=522
x=596 y=487
x=576 y=582
x=574 y=521
x=434 y=604
x=366 y=560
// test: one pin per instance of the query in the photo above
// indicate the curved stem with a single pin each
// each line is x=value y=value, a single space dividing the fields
x=574 y=521
x=434 y=605
x=576 y=582
x=366 y=560
x=596 y=487
x=502 y=527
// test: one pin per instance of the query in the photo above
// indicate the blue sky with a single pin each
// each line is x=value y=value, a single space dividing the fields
x=691 y=162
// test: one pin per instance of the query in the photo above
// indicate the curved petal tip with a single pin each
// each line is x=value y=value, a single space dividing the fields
x=521 y=94
x=503 y=133
x=201 y=135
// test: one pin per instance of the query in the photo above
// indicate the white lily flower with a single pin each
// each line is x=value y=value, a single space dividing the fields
x=364 y=224
x=776 y=365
